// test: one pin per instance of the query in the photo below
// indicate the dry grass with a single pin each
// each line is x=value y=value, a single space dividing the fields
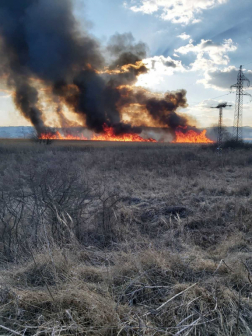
x=139 y=239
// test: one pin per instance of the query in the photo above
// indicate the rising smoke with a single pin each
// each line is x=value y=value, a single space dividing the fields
x=41 y=43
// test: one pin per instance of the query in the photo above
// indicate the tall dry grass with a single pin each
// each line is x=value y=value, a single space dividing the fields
x=141 y=239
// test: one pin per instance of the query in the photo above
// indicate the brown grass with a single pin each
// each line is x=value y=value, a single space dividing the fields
x=137 y=239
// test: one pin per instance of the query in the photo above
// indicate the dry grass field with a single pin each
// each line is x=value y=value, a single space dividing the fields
x=125 y=239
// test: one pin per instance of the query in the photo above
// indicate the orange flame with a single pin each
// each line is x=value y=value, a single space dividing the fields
x=109 y=135
x=58 y=136
x=191 y=137
x=182 y=136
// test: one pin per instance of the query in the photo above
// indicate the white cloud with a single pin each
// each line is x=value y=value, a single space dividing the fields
x=159 y=67
x=209 y=54
x=176 y=11
x=211 y=64
x=196 y=21
x=212 y=59
x=224 y=78
x=184 y=36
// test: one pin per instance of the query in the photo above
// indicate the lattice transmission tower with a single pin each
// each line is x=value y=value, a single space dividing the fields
x=237 y=129
x=220 y=124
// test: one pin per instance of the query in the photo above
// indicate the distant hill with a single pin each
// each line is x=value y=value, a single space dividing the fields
x=21 y=132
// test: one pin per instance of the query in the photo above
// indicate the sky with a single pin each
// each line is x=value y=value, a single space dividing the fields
x=196 y=45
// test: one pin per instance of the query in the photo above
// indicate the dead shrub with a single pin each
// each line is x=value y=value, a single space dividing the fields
x=43 y=270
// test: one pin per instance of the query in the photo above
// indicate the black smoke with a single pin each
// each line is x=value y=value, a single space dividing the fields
x=42 y=45
x=163 y=110
x=124 y=50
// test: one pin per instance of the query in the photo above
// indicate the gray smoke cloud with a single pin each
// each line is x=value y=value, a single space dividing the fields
x=41 y=40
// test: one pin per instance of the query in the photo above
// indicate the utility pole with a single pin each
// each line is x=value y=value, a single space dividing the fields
x=237 y=130
x=220 y=124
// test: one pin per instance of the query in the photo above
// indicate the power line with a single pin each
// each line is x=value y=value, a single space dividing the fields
x=227 y=94
x=247 y=63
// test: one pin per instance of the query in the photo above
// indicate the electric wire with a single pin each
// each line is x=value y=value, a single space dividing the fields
x=226 y=94
x=247 y=64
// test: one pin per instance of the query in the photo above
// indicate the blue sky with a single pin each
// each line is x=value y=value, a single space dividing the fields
x=207 y=40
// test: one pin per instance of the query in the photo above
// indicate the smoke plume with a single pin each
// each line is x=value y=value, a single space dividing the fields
x=42 y=46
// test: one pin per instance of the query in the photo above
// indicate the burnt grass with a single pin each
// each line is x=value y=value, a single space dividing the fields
x=125 y=239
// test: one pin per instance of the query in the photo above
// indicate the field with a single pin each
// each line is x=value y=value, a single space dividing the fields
x=124 y=239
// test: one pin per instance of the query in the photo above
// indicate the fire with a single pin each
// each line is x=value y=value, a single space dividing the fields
x=191 y=136
x=182 y=136
x=58 y=136
x=109 y=135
